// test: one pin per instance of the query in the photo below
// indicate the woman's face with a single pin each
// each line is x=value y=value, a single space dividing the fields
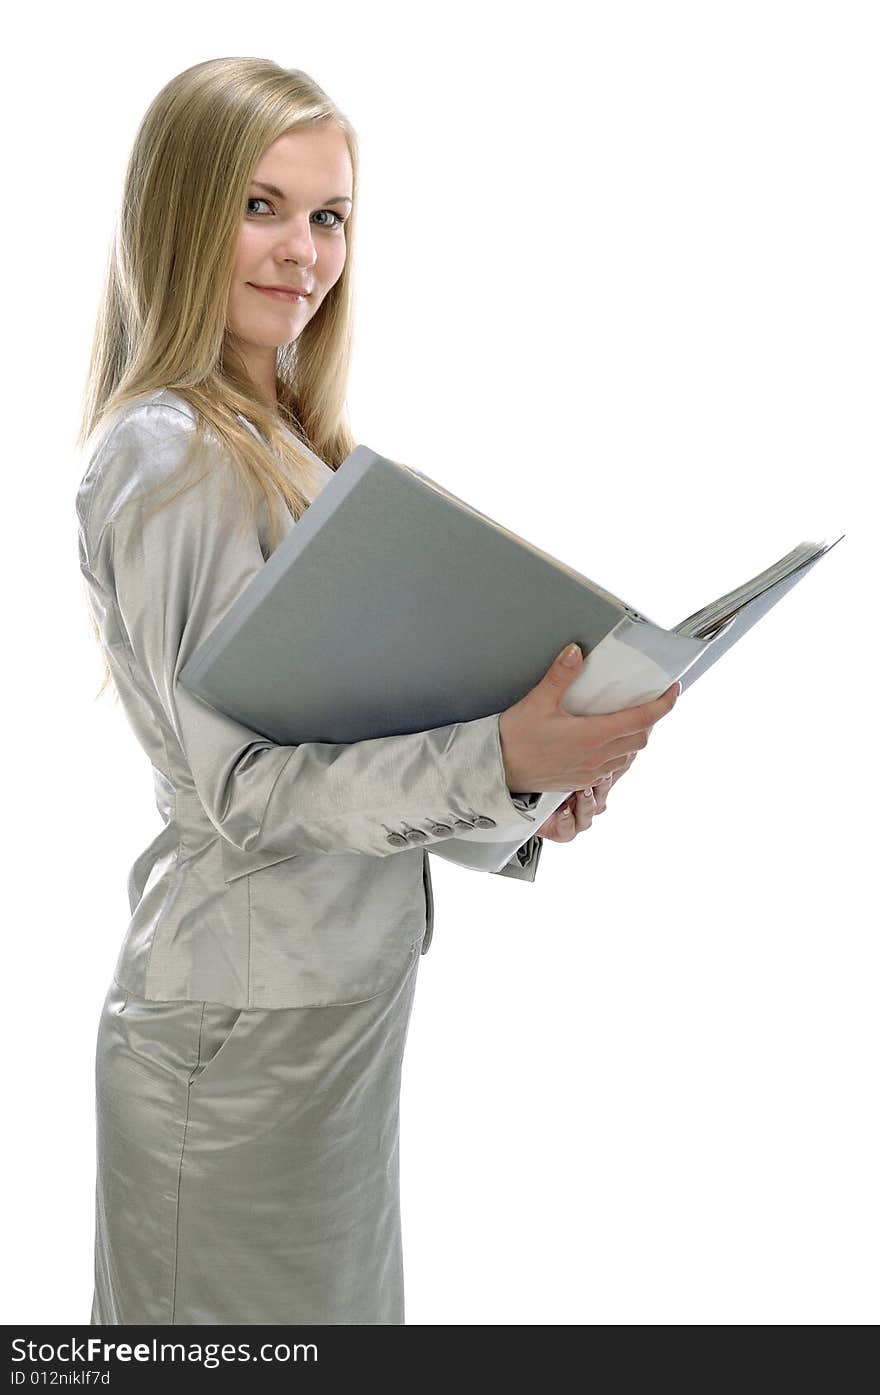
x=292 y=238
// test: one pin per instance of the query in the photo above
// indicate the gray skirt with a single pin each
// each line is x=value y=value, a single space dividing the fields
x=248 y=1161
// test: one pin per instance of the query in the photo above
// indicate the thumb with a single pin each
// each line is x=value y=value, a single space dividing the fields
x=564 y=669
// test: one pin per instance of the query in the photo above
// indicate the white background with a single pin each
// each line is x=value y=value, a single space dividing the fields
x=617 y=286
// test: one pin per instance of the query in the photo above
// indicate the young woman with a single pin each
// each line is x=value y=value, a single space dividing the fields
x=250 y=1044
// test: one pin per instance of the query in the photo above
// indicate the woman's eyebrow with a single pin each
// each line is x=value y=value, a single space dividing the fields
x=273 y=189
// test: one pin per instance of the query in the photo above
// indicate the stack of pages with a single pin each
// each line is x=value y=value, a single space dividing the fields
x=393 y=606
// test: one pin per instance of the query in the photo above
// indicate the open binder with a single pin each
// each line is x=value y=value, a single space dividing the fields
x=394 y=606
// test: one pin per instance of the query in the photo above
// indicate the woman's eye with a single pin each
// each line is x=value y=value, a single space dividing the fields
x=338 y=223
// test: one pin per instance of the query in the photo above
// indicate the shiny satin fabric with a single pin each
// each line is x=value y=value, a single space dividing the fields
x=250 y=1045
x=248 y=1161
x=272 y=883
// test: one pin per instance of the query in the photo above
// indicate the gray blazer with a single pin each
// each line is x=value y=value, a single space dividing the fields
x=272 y=882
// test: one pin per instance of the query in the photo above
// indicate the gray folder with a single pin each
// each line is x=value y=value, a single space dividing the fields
x=393 y=606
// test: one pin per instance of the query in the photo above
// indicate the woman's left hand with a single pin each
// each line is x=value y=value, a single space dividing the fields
x=576 y=814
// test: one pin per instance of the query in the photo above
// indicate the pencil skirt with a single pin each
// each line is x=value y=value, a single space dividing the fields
x=248 y=1161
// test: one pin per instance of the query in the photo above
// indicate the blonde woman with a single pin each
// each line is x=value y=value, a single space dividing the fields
x=250 y=1044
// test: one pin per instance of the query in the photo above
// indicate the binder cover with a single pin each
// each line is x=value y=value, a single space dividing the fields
x=393 y=606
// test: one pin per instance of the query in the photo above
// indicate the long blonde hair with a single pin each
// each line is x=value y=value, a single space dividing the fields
x=161 y=319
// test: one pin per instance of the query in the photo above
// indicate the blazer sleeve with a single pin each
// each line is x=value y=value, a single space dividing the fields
x=176 y=570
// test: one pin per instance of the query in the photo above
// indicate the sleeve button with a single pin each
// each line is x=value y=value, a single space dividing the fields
x=396 y=840
x=483 y=821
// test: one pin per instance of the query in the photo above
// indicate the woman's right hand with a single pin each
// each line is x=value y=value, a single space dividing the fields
x=546 y=748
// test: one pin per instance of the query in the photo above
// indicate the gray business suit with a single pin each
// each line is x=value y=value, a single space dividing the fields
x=271 y=886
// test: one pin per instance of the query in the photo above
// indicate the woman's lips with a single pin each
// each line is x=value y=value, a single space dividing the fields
x=280 y=295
